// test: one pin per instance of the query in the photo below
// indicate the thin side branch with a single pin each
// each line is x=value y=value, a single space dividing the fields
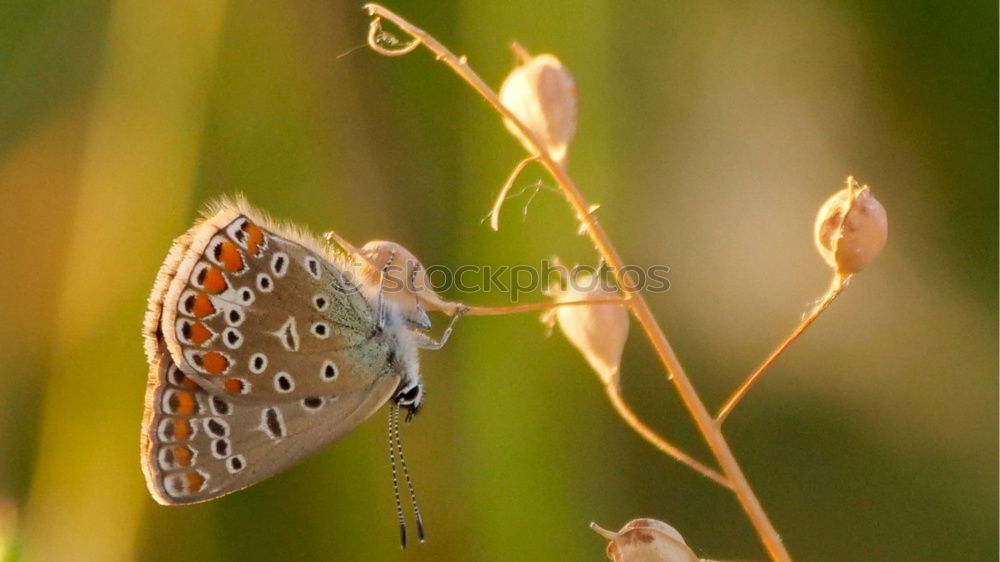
x=535 y=306
x=614 y=395
x=637 y=304
x=836 y=287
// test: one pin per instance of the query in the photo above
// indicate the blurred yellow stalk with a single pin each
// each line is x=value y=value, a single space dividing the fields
x=138 y=171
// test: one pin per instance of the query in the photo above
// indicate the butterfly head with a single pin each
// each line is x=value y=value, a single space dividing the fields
x=410 y=395
x=402 y=361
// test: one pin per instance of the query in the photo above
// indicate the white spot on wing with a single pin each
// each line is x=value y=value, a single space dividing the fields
x=258 y=363
x=213 y=249
x=245 y=296
x=233 y=314
x=288 y=335
x=320 y=330
x=236 y=232
x=216 y=427
x=164 y=459
x=236 y=463
x=220 y=406
x=272 y=422
x=196 y=273
x=175 y=376
x=220 y=448
x=232 y=338
x=165 y=401
x=186 y=302
x=166 y=430
x=328 y=371
x=175 y=486
x=279 y=264
x=311 y=266
x=284 y=383
x=312 y=404
x=264 y=283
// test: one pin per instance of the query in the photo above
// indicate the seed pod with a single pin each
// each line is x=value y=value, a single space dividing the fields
x=599 y=331
x=646 y=540
x=851 y=228
x=542 y=94
x=405 y=282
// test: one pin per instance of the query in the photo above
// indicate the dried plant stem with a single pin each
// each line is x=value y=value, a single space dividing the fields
x=522 y=54
x=637 y=304
x=836 y=287
x=533 y=307
x=623 y=409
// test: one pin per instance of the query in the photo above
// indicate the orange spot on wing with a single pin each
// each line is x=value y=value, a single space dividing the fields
x=202 y=306
x=182 y=455
x=193 y=481
x=255 y=237
x=187 y=382
x=185 y=403
x=234 y=385
x=215 y=282
x=199 y=333
x=214 y=362
x=230 y=257
x=182 y=429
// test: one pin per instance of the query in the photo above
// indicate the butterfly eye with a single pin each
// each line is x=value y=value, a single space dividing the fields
x=410 y=398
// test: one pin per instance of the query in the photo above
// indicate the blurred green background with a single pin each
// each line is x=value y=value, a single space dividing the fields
x=710 y=132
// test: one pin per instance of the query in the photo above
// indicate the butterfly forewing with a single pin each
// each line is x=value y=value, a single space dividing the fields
x=259 y=315
x=261 y=353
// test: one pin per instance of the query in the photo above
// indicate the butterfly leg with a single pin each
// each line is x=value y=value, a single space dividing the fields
x=381 y=288
x=419 y=319
x=426 y=342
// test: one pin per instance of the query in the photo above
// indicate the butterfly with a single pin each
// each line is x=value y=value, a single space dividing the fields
x=264 y=346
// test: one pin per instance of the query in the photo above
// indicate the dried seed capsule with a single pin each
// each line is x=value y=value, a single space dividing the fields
x=646 y=540
x=599 y=331
x=405 y=282
x=542 y=94
x=851 y=228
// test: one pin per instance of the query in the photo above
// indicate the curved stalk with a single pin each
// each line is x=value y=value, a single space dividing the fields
x=637 y=304
x=836 y=287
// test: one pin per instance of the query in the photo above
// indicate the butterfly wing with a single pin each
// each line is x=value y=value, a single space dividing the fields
x=245 y=296
x=197 y=445
x=261 y=353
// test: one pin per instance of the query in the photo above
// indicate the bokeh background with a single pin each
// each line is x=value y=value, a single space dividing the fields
x=710 y=132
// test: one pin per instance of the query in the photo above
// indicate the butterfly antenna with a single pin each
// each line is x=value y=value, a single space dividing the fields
x=394 y=435
x=409 y=483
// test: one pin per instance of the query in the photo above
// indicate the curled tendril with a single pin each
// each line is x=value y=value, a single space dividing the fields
x=377 y=37
x=494 y=215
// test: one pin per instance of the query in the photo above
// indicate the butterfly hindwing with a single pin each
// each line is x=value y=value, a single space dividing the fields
x=261 y=353
x=199 y=445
